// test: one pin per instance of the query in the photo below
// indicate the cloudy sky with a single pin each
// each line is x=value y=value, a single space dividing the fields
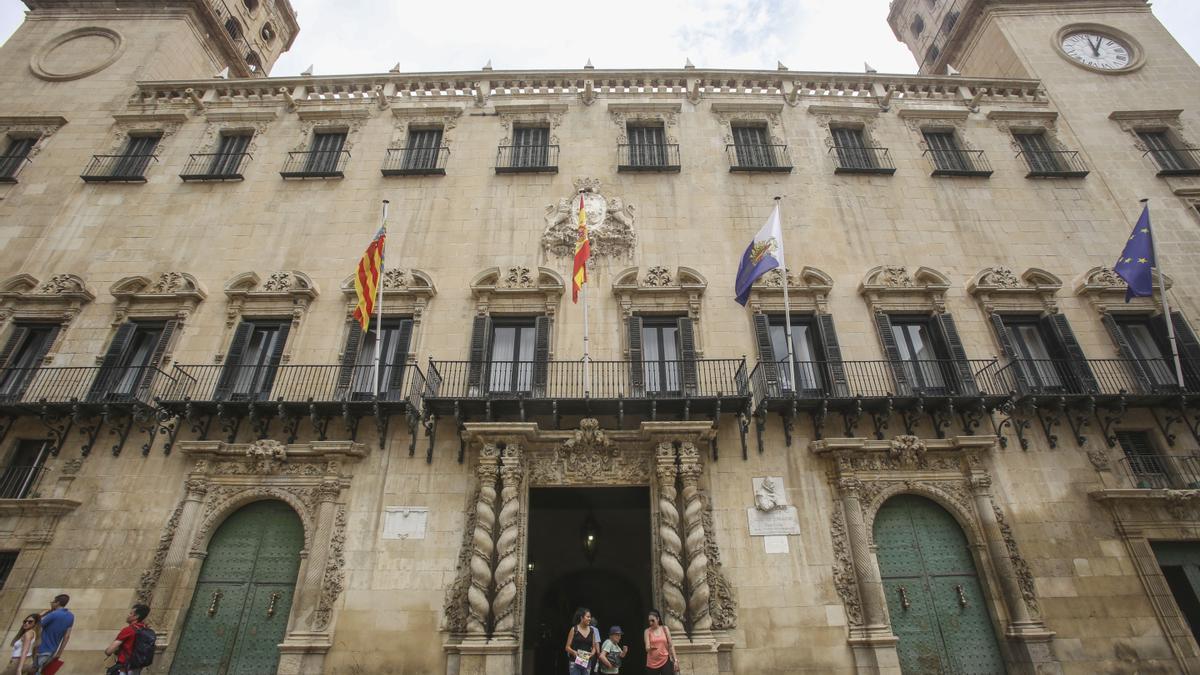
x=361 y=36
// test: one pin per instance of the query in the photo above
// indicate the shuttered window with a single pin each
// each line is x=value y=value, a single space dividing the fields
x=230 y=151
x=356 y=380
x=422 y=149
x=852 y=148
x=326 y=152
x=22 y=355
x=753 y=146
x=23 y=467
x=943 y=147
x=647 y=145
x=132 y=358
x=1147 y=346
x=531 y=146
x=1149 y=467
x=512 y=355
x=804 y=350
x=1036 y=149
x=15 y=155
x=135 y=156
x=254 y=356
x=1165 y=151
x=7 y=560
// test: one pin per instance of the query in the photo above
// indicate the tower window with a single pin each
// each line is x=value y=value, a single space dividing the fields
x=251 y=5
x=267 y=33
x=918 y=26
x=233 y=28
x=254 y=62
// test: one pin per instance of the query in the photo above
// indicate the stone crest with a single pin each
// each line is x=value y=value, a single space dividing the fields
x=908 y=451
x=587 y=457
x=266 y=455
x=609 y=221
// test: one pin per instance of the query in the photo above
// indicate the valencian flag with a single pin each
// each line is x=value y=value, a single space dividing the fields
x=764 y=254
x=1137 y=259
x=366 y=279
x=583 y=251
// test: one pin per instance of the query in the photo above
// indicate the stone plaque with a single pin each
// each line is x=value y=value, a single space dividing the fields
x=405 y=522
x=776 y=544
x=780 y=521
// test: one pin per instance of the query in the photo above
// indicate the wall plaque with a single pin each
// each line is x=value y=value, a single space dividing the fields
x=405 y=522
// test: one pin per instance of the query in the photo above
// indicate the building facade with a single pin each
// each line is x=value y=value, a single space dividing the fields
x=980 y=458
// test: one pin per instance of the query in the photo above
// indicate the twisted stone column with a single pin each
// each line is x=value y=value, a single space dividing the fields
x=866 y=567
x=482 y=547
x=506 y=541
x=182 y=539
x=694 y=540
x=318 y=555
x=668 y=534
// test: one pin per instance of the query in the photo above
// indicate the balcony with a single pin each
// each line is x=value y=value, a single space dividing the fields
x=1162 y=472
x=22 y=389
x=527 y=388
x=1137 y=381
x=117 y=168
x=316 y=164
x=824 y=382
x=662 y=158
x=11 y=165
x=1053 y=164
x=1177 y=161
x=527 y=159
x=971 y=163
x=765 y=158
x=21 y=482
x=416 y=161
x=857 y=159
x=215 y=166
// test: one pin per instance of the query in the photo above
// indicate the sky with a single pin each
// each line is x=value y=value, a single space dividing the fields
x=371 y=36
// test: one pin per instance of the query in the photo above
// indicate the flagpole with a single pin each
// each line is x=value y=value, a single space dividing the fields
x=587 y=361
x=1162 y=293
x=379 y=301
x=787 y=305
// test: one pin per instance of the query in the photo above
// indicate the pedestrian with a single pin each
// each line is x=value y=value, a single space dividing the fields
x=24 y=644
x=612 y=653
x=123 y=645
x=56 y=632
x=660 y=650
x=581 y=643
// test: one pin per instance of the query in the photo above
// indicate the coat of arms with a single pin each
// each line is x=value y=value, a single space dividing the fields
x=609 y=221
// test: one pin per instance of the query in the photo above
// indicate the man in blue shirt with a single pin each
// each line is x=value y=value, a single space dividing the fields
x=56 y=630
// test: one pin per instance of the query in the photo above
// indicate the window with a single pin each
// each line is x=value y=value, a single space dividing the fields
x=267 y=33
x=804 y=351
x=253 y=359
x=23 y=468
x=662 y=354
x=818 y=357
x=1147 y=465
x=647 y=145
x=947 y=156
x=250 y=5
x=22 y=356
x=325 y=153
x=512 y=356
x=920 y=353
x=926 y=355
x=1143 y=341
x=1166 y=152
x=1032 y=352
x=424 y=146
x=253 y=62
x=7 y=560
x=933 y=54
x=917 y=26
x=227 y=161
x=131 y=361
x=358 y=361
x=233 y=28
x=1037 y=152
x=753 y=146
x=531 y=146
x=852 y=148
x=949 y=22
x=1044 y=355
x=135 y=156
x=15 y=156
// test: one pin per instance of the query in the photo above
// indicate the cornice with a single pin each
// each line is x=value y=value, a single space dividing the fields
x=331 y=113
x=934 y=113
x=870 y=111
x=143 y=118
x=433 y=110
x=1164 y=115
x=522 y=108
x=37 y=507
x=1021 y=114
x=39 y=120
x=241 y=116
x=748 y=106
x=646 y=107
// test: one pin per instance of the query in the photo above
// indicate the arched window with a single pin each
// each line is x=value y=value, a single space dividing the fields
x=233 y=28
x=251 y=5
x=254 y=62
x=267 y=33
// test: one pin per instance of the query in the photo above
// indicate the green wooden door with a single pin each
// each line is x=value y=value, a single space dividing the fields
x=240 y=609
x=934 y=598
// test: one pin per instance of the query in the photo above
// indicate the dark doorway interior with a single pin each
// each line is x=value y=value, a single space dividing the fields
x=612 y=580
x=1180 y=564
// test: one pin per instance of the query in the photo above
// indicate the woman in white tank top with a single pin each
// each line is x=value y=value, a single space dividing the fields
x=24 y=645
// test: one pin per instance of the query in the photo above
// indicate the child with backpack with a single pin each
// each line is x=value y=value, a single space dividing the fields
x=134 y=646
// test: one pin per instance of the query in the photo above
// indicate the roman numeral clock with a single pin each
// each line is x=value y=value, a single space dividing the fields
x=1099 y=49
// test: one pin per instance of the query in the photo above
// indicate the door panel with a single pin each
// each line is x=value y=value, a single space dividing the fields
x=256 y=652
x=207 y=641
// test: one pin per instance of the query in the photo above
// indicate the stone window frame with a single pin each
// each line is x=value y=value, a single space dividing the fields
x=1134 y=121
x=405 y=119
x=1013 y=122
x=660 y=292
x=222 y=123
x=162 y=124
x=285 y=295
x=319 y=120
x=731 y=114
x=1106 y=293
x=861 y=117
x=865 y=474
x=31 y=126
x=59 y=299
x=891 y=289
x=999 y=290
x=172 y=296
x=808 y=291
x=548 y=115
x=921 y=120
x=519 y=290
x=406 y=293
x=648 y=113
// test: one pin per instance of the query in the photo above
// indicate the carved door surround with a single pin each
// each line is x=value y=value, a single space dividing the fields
x=485 y=607
x=865 y=474
x=309 y=477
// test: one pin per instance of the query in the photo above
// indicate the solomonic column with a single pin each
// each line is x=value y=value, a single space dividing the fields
x=482 y=546
x=694 y=538
x=670 y=558
x=507 y=560
x=866 y=567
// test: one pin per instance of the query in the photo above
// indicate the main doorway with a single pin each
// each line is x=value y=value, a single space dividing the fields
x=240 y=608
x=588 y=547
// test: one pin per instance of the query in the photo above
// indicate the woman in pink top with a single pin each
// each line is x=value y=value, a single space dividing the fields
x=660 y=650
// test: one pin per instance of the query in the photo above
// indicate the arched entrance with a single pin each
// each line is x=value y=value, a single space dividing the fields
x=240 y=607
x=934 y=598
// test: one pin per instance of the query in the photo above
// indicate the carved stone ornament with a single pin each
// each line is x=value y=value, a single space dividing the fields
x=998 y=288
x=908 y=451
x=610 y=223
x=1133 y=121
x=38 y=127
x=768 y=497
x=162 y=125
x=861 y=117
x=1000 y=277
x=349 y=122
x=252 y=124
x=266 y=455
x=284 y=294
x=149 y=578
x=808 y=290
x=844 y=579
x=58 y=300
x=731 y=114
x=63 y=284
x=1104 y=288
x=527 y=115
x=1181 y=504
x=172 y=294
x=1020 y=567
x=657 y=277
x=722 y=606
x=895 y=288
x=406 y=292
x=588 y=458
x=663 y=114
x=444 y=118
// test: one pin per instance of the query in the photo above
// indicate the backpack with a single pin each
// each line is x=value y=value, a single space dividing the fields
x=143 y=648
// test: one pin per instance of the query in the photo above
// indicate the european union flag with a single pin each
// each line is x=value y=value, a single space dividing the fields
x=1136 y=261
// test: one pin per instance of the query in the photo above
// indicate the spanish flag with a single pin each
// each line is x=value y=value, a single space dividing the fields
x=366 y=281
x=583 y=251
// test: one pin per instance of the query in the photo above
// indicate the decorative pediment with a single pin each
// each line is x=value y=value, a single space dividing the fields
x=517 y=289
x=406 y=292
x=731 y=114
x=540 y=114
x=443 y=117
x=808 y=291
x=59 y=298
x=665 y=113
x=998 y=288
x=1106 y=291
x=282 y=294
x=171 y=295
x=892 y=288
x=610 y=223
x=659 y=289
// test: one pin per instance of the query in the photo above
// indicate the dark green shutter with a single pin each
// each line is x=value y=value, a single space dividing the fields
x=15 y=338
x=349 y=358
x=831 y=349
x=637 y=373
x=1078 y=365
x=687 y=353
x=962 y=371
x=112 y=365
x=1132 y=362
x=892 y=351
x=481 y=331
x=1189 y=349
x=233 y=360
x=541 y=354
x=766 y=354
x=399 y=360
x=1017 y=365
x=155 y=362
x=272 y=366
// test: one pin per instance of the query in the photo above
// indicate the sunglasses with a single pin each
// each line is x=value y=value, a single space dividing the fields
x=27 y=621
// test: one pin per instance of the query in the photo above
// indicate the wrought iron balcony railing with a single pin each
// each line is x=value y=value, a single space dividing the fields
x=825 y=380
x=215 y=166
x=858 y=159
x=20 y=482
x=316 y=164
x=95 y=384
x=959 y=163
x=1177 y=161
x=527 y=159
x=117 y=168
x=1053 y=164
x=662 y=157
x=1159 y=472
x=1099 y=377
x=291 y=384
x=11 y=165
x=752 y=157
x=416 y=161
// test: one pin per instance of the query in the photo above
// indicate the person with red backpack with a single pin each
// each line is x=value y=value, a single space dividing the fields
x=134 y=646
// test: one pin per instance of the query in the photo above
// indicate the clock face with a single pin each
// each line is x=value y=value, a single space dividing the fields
x=1097 y=50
